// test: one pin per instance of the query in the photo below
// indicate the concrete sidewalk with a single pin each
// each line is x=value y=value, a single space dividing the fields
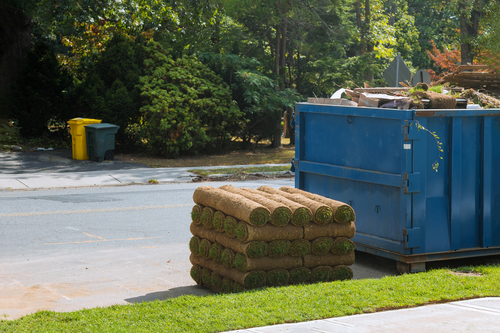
x=36 y=180
x=476 y=315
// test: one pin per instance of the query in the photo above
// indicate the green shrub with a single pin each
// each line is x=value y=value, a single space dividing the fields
x=186 y=107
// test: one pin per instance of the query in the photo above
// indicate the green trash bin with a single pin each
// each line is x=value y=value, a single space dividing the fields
x=101 y=141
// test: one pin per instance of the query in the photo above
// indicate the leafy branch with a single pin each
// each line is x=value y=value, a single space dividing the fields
x=435 y=165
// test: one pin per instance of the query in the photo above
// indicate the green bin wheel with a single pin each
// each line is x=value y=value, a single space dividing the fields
x=109 y=155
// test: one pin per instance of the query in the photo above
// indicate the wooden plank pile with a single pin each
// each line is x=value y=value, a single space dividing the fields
x=473 y=76
x=245 y=239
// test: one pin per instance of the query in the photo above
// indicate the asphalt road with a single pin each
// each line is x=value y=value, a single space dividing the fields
x=67 y=249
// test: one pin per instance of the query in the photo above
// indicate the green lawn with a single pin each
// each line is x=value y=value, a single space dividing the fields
x=217 y=313
x=207 y=172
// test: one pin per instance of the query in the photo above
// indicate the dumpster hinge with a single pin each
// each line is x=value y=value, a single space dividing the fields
x=411 y=183
x=411 y=238
x=411 y=131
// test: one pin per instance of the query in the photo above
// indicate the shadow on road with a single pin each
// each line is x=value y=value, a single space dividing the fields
x=171 y=293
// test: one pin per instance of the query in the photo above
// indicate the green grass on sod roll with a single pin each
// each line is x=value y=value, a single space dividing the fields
x=278 y=277
x=300 y=248
x=344 y=214
x=216 y=252
x=281 y=216
x=219 y=219
x=240 y=262
x=341 y=273
x=204 y=247
x=241 y=230
x=227 y=258
x=270 y=306
x=196 y=273
x=321 y=246
x=343 y=245
x=230 y=226
x=196 y=214
x=324 y=215
x=279 y=248
x=300 y=275
x=226 y=285
x=260 y=216
x=257 y=249
x=206 y=277
x=255 y=279
x=321 y=274
x=301 y=217
x=216 y=281
x=194 y=244
x=238 y=288
x=207 y=217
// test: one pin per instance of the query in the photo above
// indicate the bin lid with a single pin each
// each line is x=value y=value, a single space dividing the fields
x=80 y=121
x=102 y=126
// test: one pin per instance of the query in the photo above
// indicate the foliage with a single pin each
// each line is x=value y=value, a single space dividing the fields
x=186 y=107
x=109 y=89
x=41 y=94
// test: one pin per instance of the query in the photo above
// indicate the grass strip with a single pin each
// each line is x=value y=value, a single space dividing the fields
x=231 y=171
x=216 y=313
x=196 y=214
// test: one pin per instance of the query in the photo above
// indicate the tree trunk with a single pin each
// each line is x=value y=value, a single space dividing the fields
x=283 y=54
x=469 y=29
x=15 y=42
x=278 y=50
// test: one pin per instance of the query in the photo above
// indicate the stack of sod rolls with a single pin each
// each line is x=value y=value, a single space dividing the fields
x=245 y=238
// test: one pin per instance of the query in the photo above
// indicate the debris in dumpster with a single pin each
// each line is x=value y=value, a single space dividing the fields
x=473 y=76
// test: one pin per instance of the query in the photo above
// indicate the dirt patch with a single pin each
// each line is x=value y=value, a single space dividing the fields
x=240 y=177
x=458 y=273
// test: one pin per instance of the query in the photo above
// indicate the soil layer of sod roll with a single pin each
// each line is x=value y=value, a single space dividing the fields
x=321 y=274
x=267 y=233
x=232 y=204
x=342 y=212
x=300 y=275
x=301 y=215
x=230 y=224
x=278 y=277
x=342 y=245
x=207 y=217
x=278 y=248
x=202 y=232
x=300 y=248
x=219 y=219
x=280 y=214
x=322 y=214
x=329 y=259
x=253 y=279
x=196 y=214
x=255 y=249
x=321 y=246
x=341 y=273
x=313 y=231
x=245 y=264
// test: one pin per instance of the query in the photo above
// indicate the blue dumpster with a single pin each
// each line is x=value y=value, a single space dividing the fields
x=381 y=163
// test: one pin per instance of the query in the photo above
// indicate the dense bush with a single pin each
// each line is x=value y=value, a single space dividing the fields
x=186 y=108
x=40 y=95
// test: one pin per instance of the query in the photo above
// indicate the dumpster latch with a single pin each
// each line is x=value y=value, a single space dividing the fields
x=411 y=238
x=411 y=182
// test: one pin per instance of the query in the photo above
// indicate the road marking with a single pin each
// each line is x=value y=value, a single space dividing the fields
x=95 y=236
x=104 y=240
x=93 y=210
x=73 y=228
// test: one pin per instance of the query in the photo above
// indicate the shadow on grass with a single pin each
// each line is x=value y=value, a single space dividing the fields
x=171 y=293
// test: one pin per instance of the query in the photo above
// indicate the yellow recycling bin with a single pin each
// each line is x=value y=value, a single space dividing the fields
x=78 y=137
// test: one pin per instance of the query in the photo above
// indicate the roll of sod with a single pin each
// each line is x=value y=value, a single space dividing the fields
x=226 y=285
x=207 y=217
x=321 y=246
x=206 y=276
x=341 y=273
x=204 y=248
x=202 y=232
x=245 y=264
x=255 y=249
x=230 y=224
x=301 y=215
x=328 y=260
x=267 y=233
x=342 y=245
x=196 y=214
x=232 y=204
x=196 y=274
x=322 y=214
x=219 y=219
x=313 y=231
x=227 y=258
x=278 y=277
x=300 y=248
x=280 y=214
x=194 y=244
x=250 y=280
x=321 y=274
x=342 y=212
x=278 y=248
x=216 y=281
x=237 y=288
x=300 y=275
x=215 y=252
